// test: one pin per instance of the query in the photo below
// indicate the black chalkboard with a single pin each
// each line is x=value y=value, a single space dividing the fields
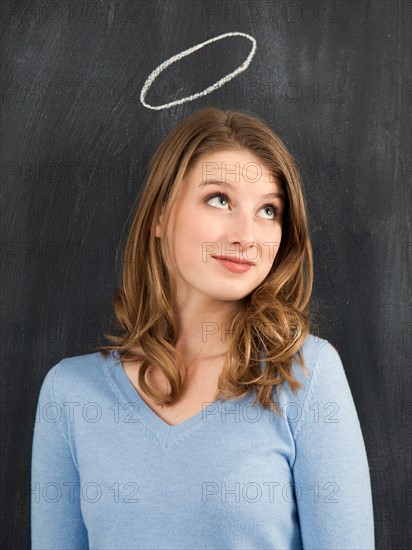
x=332 y=78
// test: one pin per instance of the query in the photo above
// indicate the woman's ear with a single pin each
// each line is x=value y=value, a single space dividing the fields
x=159 y=226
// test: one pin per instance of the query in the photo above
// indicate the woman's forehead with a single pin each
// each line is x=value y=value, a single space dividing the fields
x=229 y=157
x=231 y=167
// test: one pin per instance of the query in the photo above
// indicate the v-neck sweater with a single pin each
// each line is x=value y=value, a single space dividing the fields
x=108 y=473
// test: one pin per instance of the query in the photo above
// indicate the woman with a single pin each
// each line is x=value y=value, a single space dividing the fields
x=215 y=418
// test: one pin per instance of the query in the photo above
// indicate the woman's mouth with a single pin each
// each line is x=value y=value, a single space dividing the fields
x=235 y=267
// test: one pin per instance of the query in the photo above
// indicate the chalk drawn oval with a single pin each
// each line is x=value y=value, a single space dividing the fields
x=153 y=75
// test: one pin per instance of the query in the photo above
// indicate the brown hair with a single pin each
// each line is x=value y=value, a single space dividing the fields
x=274 y=319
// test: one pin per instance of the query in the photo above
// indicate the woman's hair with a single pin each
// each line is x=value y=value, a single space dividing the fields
x=273 y=321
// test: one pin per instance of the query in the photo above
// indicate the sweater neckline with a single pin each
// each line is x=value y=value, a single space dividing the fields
x=165 y=432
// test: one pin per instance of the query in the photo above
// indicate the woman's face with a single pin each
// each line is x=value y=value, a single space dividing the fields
x=239 y=222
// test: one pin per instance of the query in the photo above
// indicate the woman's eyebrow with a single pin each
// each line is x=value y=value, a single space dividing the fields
x=227 y=184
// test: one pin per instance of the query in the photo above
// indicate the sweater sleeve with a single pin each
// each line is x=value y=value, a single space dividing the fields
x=56 y=519
x=330 y=470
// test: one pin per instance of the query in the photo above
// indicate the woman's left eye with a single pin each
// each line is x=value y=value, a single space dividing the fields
x=273 y=206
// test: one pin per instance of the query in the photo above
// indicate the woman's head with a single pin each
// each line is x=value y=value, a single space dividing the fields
x=205 y=147
x=227 y=204
x=177 y=230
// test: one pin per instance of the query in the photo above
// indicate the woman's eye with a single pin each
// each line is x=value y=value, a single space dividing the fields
x=274 y=209
x=271 y=206
x=215 y=196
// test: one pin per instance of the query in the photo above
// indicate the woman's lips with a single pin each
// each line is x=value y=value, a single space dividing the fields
x=234 y=266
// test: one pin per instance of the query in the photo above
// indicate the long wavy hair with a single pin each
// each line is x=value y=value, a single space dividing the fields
x=273 y=320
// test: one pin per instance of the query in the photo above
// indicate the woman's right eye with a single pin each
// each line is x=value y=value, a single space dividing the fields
x=214 y=195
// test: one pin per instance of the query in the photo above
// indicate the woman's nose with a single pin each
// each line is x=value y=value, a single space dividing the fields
x=240 y=230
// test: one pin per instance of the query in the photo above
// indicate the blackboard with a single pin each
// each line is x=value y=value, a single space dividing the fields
x=332 y=78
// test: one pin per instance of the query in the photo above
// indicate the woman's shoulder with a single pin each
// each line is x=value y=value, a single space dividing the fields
x=74 y=375
x=315 y=348
x=323 y=364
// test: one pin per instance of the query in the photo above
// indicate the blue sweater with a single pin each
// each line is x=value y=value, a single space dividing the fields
x=108 y=473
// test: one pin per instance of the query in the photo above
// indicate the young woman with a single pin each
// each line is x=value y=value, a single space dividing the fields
x=215 y=418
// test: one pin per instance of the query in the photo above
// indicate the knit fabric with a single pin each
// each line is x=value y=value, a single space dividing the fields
x=108 y=473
